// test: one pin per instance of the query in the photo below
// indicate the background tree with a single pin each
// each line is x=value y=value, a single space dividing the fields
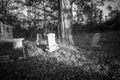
x=52 y=15
x=66 y=21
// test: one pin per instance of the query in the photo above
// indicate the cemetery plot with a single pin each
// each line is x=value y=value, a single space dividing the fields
x=6 y=42
x=11 y=49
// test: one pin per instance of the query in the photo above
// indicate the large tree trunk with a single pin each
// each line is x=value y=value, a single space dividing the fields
x=66 y=21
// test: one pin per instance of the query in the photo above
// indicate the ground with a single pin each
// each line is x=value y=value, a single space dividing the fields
x=103 y=63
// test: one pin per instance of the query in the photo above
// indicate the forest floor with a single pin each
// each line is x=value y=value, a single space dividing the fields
x=105 y=66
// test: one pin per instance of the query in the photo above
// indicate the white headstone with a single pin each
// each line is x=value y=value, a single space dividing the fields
x=17 y=43
x=52 y=45
x=51 y=39
x=39 y=39
x=95 y=40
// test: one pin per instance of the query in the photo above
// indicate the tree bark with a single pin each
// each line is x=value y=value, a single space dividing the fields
x=66 y=21
x=59 y=19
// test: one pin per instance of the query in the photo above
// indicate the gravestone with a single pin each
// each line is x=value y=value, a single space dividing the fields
x=95 y=40
x=52 y=45
x=18 y=47
x=39 y=39
x=17 y=43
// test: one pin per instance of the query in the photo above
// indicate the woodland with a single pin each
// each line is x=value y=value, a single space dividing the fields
x=75 y=23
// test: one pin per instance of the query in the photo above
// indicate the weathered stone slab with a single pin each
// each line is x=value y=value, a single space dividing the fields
x=95 y=40
x=31 y=49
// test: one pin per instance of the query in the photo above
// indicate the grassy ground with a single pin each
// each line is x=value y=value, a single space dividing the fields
x=109 y=40
x=109 y=52
x=105 y=66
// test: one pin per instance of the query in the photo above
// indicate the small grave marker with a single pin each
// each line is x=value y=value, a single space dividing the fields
x=95 y=40
x=39 y=39
x=52 y=45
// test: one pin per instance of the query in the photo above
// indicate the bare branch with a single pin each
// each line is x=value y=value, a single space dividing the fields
x=72 y=1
